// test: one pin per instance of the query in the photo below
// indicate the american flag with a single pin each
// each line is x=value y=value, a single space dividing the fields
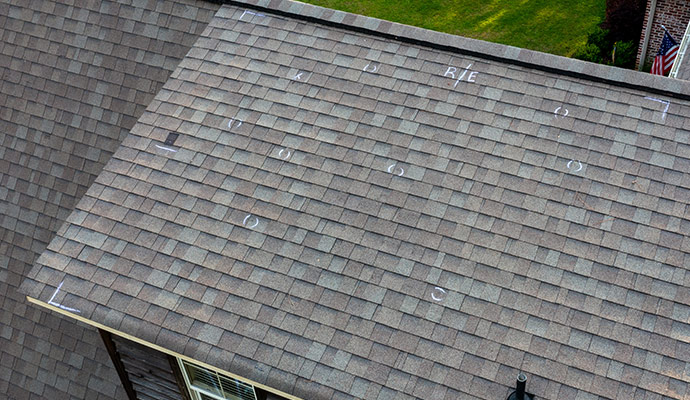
x=665 y=57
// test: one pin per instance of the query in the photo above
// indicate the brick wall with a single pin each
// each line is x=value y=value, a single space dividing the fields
x=674 y=15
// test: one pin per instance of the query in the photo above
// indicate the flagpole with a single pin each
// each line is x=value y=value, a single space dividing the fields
x=666 y=56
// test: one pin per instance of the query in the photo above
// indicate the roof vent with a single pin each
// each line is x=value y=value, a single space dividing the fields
x=519 y=393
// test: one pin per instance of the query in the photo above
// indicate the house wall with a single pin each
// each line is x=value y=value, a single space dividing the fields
x=154 y=375
x=74 y=79
x=674 y=15
x=149 y=371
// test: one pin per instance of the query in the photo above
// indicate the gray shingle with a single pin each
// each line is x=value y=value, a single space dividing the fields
x=394 y=184
x=85 y=107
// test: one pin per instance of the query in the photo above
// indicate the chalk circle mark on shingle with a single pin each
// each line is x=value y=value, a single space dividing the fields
x=574 y=166
x=371 y=68
x=560 y=112
x=284 y=154
x=438 y=294
x=250 y=221
x=234 y=123
x=394 y=169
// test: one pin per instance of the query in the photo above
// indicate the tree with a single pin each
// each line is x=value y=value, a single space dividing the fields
x=620 y=30
x=624 y=19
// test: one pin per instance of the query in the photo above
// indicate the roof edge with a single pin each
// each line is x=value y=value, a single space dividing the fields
x=154 y=346
x=471 y=47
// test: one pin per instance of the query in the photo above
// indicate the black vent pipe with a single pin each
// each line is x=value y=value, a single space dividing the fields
x=519 y=393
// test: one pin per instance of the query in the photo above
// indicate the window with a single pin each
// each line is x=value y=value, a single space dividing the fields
x=205 y=384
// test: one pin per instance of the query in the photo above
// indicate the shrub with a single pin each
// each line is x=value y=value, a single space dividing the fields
x=589 y=53
x=598 y=47
x=626 y=53
x=620 y=30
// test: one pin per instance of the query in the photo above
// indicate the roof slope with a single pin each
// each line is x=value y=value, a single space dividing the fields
x=349 y=215
x=75 y=78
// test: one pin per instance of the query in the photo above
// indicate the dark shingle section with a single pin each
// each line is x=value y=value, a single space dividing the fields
x=346 y=215
x=75 y=78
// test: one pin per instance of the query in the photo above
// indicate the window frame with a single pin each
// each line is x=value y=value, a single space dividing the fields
x=195 y=392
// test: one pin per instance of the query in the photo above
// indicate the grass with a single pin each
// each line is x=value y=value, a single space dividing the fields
x=551 y=26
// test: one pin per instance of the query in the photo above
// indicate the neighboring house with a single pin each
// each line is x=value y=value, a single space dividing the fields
x=673 y=14
x=318 y=205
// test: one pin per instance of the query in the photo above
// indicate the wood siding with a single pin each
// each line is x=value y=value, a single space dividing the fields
x=150 y=371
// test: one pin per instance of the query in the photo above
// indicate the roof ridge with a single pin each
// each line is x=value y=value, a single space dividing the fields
x=471 y=47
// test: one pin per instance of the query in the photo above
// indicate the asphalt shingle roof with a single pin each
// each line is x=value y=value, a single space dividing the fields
x=358 y=209
x=75 y=77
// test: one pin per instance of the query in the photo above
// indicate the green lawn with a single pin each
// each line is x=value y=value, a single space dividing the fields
x=551 y=26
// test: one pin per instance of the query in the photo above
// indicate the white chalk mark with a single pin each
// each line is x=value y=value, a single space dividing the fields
x=558 y=115
x=56 y=304
x=438 y=294
x=254 y=225
x=579 y=165
x=392 y=168
x=74 y=310
x=284 y=154
x=298 y=76
x=462 y=75
x=237 y=121
x=374 y=68
x=251 y=13
x=666 y=102
x=56 y=292
x=471 y=77
x=166 y=148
